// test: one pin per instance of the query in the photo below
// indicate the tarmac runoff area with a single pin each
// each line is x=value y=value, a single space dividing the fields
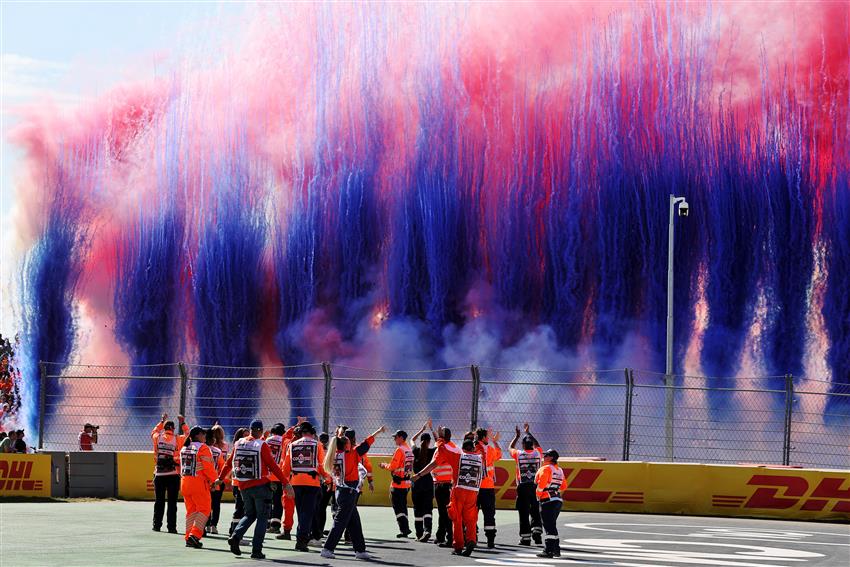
x=118 y=534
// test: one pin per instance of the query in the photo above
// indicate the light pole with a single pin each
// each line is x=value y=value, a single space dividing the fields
x=680 y=204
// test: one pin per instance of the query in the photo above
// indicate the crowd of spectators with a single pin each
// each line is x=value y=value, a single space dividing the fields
x=11 y=441
x=10 y=398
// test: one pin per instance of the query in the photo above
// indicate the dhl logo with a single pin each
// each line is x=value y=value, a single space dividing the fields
x=15 y=475
x=780 y=492
x=579 y=487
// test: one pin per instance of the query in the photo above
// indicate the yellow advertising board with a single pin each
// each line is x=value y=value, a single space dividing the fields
x=25 y=475
x=654 y=488
x=693 y=489
x=135 y=476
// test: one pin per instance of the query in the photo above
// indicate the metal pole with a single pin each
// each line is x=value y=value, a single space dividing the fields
x=476 y=391
x=627 y=421
x=42 y=402
x=789 y=404
x=184 y=383
x=326 y=406
x=668 y=372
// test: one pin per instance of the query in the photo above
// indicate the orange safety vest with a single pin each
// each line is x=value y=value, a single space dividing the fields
x=443 y=471
x=550 y=482
x=401 y=467
x=492 y=455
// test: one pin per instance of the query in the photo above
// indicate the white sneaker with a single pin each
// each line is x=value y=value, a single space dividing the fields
x=244 y=542
x=327 y=554
x=364 y=555
x=315 y=543
x=213 y=530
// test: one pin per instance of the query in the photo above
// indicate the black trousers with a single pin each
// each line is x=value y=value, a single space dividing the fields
x=528 y=509
x=238 y=511
x=423 y=505
x=277 y=504
x=399 y=500
x=321 y=517
x=347 y=519
x=443 y=495
x=166 y=489
x=215 y=495
x=487 y=505
x=306 y=504
x=549 y=510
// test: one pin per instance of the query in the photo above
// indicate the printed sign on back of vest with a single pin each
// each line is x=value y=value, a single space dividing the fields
x=470 y=470
x=529 y=462
x=165 y=449
x=246 y=460
x=189 y=460
x=304 y=456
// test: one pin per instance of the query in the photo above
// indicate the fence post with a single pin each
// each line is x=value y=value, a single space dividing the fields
x=326 y=406
x=42 y=401
x=627 y=418
x=184 y=383
x=789 y=404
x=476 y=392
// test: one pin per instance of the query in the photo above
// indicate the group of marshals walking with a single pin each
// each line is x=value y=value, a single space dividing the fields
x=267 y=468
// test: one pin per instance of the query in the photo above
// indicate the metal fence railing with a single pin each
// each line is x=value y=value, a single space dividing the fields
x=620 y=414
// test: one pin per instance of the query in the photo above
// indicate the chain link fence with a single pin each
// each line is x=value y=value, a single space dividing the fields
x=125 y=401
x=612 y=414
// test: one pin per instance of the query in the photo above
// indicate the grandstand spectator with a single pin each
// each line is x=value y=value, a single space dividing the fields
x=8 y=444
x=88 y=437
x=20 y=444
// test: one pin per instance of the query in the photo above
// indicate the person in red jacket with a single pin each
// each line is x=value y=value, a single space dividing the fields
x=488 y=444
x=214 y=443
x=550 y=481
x=343 y=458
x=251 y=461
x=528 y=461
x=197 y=471
x=443 y=480
x=166 y=476
x=303 y=467
x=467 y=472
x=88 y=437
x=401 y=468
x=275 y=442
x=287 y=497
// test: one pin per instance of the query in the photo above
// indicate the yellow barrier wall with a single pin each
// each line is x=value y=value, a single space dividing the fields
x=24 y=475
x=655 y=488
x=135 y=477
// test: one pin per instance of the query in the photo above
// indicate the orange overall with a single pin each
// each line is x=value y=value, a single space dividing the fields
x=288 y=501
x=468 y=470
x=198 y=471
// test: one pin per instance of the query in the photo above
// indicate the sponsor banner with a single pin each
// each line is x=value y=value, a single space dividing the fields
x=135 y=477
x=599 y=486
x=25 y=475
x=693 y=489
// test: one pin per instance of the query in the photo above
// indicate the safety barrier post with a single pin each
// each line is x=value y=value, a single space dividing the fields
x=789 y=404
x=184 y=382
x=669 y=401
x=627 y=418
x=326 y=406
x=42 y=402
x=476 y=391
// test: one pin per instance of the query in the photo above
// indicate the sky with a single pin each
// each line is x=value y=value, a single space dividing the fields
x=66 y=53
